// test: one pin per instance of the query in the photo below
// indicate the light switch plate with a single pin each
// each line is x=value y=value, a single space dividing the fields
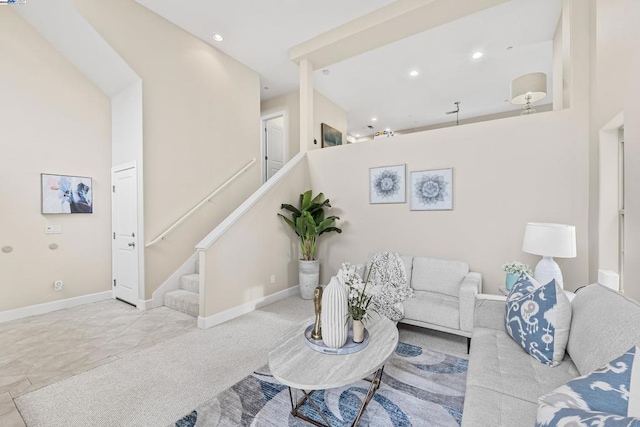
x=53 y=229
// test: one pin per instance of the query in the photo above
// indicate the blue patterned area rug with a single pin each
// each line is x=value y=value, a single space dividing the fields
x=419 y=388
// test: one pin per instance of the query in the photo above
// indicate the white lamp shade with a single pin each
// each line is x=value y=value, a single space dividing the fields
x=554 y=240
x=534 y=84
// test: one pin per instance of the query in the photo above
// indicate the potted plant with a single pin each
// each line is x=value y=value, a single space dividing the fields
x=359 y=298
x=309 y=222
x=513 y=270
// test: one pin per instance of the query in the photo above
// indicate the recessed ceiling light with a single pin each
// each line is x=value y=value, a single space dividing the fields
x=218 y=37
x=357 y=135
x=509 y=47
x=373 y=119
x=326 y=72
x=266 y=88
x=414 y=73
x=477 y=55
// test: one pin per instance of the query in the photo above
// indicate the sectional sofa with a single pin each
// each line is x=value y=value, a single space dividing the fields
x=504 y=383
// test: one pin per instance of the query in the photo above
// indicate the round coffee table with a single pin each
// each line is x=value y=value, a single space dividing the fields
x=300 y=368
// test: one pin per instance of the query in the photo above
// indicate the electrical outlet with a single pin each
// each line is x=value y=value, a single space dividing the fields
x=273 y=279
x=53 y=229
x=57 y=285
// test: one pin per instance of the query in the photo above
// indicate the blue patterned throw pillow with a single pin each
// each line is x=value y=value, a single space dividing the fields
x=538 y=318
x=607 y=397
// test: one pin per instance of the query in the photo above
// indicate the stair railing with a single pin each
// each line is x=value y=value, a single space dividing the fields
x=199 y=205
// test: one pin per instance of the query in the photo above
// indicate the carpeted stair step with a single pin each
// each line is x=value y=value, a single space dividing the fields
x=184 y=301
x=190 y=282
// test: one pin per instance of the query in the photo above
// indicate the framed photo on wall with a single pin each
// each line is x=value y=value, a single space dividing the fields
x=387 y=184
x=330 y=136
x=65 y=194
x=432 y=190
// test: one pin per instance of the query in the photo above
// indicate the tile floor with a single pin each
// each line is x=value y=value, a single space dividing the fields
x=42 y=350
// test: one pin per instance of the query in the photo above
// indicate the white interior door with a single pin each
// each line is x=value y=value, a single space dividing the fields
x=274 y=136
x=125 y=232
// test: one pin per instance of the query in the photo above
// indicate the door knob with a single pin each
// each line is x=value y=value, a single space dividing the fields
x=132 y=244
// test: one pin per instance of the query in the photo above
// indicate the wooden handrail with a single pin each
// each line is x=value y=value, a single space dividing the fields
x=199 y=205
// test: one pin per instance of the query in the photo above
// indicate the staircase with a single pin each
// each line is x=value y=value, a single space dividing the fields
x=187 y=298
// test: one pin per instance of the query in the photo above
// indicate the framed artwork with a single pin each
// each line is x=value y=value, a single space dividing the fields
x=64 y=194
x=387 y=184
x=330 y=136
x=432 y=190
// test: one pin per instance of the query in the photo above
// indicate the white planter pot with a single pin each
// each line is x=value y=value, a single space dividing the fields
x=358 y=331
x=309 y=277
x=335 y=328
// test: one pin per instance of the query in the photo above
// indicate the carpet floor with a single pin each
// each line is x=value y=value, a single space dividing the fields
x=419 y=388
x=160 y=384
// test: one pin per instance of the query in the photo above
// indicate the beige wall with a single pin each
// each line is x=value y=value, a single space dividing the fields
x=126 y=126
x=324 y=111
x=506 y=173
x=201 y=112
x=54 y=121
x=513 y=113
x=327 y=111
x=240 y=264
x=558 y=66
x=616 y=81
x=277 y=121
x=289 y=103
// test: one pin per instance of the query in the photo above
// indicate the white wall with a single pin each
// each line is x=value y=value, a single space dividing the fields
x=54 y=120
x=327 y=111
x=201 y=112
x=616 y=79
x=324 y=111
x=239 y=266
x=558 y=68
x=289 y=103
x=61 y=25
x=506 y=173
x=126 y=113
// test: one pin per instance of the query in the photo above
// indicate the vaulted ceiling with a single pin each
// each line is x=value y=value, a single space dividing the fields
x=514 y=37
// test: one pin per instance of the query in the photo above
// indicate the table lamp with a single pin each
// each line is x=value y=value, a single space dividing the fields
x=549 y=240
x=527 y=89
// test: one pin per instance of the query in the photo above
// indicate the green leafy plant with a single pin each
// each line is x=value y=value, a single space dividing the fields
x=309 y=222
x=516 y=267
x=359 y=295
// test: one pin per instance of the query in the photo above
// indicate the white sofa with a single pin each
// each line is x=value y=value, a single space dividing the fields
x=504 y=383
x=444 y=293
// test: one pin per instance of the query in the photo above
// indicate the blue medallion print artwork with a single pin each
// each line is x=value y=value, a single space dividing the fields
x=387 y=184
x=432 y=190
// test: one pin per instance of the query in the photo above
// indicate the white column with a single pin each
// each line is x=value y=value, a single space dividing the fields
x=306 y=105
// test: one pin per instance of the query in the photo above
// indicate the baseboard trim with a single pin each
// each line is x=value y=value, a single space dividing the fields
x=145 y=304
x=232 y=313
x=47 y=307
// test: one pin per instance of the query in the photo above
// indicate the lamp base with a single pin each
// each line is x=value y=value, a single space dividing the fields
x=546 y=270
x=527 y=109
